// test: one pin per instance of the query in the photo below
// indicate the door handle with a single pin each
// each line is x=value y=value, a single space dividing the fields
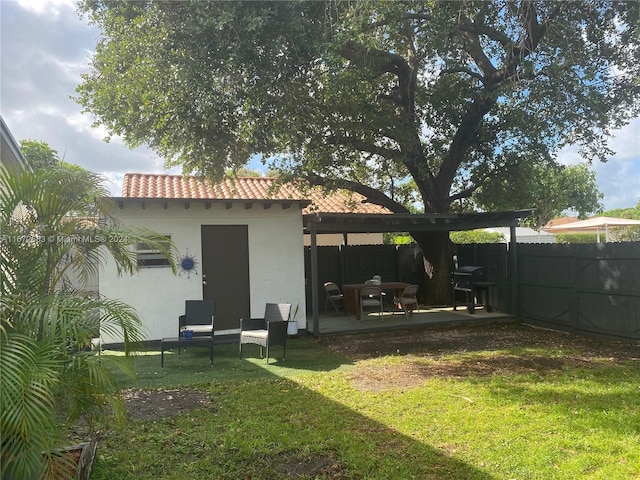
x=204 y=283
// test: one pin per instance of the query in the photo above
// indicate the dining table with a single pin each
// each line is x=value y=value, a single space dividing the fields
x=351 y=294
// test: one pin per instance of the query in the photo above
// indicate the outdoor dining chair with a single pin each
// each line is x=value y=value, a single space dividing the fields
x=407 y=300
x=334 y=297
x=268 y=331
x=370 y=296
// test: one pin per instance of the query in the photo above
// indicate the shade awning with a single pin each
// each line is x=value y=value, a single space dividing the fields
x=383 y=223
x=593 y=225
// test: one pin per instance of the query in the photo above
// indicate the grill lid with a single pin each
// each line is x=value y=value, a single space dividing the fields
x=469 y=270
x=470 y=274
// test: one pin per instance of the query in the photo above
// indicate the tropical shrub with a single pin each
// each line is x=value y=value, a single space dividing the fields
x=54 y=223
x=577 y=237
x=476 y=236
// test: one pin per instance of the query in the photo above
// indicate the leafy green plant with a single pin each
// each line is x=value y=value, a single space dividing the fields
x=627 y=234
x=476 y=236
x=50 y=374
x=577 y=238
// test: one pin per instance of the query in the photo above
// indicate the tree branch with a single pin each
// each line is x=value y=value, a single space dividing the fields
x=466 y=70
x=381 y=61
x=535 y=32
x=481 y=29
x=473 y=47
x=466 y=193
x=371 y=194
x=464 y=137
x=361 y=145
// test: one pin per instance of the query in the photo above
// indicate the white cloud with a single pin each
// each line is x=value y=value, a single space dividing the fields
x=47 y=7
x=626 y=141
x=619 y=177
x=83 y=124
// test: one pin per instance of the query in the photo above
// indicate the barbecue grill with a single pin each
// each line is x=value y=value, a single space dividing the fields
x=473 y=281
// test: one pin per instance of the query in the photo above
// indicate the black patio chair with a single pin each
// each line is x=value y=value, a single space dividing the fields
x=199 y=317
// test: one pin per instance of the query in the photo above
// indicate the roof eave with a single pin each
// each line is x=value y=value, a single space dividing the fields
x=266 y=202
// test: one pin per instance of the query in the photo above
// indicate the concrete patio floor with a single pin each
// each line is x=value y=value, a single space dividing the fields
x=332 y=323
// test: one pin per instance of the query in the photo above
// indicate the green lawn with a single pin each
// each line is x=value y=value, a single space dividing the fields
x=520 y=404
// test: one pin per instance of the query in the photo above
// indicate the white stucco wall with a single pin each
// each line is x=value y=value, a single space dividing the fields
x=276 y=261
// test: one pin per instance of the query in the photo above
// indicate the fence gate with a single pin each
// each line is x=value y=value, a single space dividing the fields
x=591 y=288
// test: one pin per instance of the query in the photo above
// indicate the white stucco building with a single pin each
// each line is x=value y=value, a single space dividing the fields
x=244 y=237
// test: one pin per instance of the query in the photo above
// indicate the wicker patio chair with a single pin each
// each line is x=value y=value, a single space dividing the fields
x=199 y=317
x=268 y=331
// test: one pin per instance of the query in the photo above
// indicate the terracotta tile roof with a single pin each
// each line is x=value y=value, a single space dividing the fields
x=560 y=221
x=161 y=186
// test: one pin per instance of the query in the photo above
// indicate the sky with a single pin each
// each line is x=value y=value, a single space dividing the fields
x=45 y=47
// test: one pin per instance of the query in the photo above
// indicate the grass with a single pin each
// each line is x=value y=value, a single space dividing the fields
x=419 y=415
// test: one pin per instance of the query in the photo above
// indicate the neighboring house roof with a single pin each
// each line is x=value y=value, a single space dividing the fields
x=10 y=154
x=560 y=221
x=264 y=189
x=524 y=235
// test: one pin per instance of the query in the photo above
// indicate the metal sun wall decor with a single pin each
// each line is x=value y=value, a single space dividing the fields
x=188 y=264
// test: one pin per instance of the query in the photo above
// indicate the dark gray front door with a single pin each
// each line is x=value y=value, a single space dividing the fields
x=225 y=272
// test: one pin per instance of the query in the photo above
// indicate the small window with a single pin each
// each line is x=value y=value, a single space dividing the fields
x=151 y=258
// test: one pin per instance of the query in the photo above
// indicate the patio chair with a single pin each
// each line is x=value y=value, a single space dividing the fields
x=407 y=300
x=334 y=297
x=370 y=296
x=268 y=331
x=199 y=317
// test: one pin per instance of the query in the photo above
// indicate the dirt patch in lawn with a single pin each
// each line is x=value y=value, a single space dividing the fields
x=159 y=403
x=434 y=353
x=318 y=467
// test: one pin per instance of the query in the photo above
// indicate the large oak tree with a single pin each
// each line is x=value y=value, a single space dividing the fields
x=455 y=95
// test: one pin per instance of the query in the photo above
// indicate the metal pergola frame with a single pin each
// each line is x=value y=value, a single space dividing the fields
x=345 y=223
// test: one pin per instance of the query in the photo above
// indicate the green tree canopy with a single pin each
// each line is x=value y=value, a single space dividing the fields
x=74 y=179
x=631 y=212
x=39 y=154
x=549 y=187
x=363 y=95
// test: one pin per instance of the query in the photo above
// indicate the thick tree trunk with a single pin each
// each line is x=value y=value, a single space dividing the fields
x=438 y=265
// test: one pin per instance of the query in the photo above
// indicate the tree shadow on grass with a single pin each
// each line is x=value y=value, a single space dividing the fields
x=252 y=421
x=268 y=429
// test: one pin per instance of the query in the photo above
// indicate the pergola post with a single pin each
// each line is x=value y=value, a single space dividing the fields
x=513 y=270
x=315 y=304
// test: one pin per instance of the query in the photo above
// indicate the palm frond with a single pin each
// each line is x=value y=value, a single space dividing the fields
x=30 y=373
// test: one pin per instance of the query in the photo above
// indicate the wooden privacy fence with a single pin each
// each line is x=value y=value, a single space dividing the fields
x=587 y=288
